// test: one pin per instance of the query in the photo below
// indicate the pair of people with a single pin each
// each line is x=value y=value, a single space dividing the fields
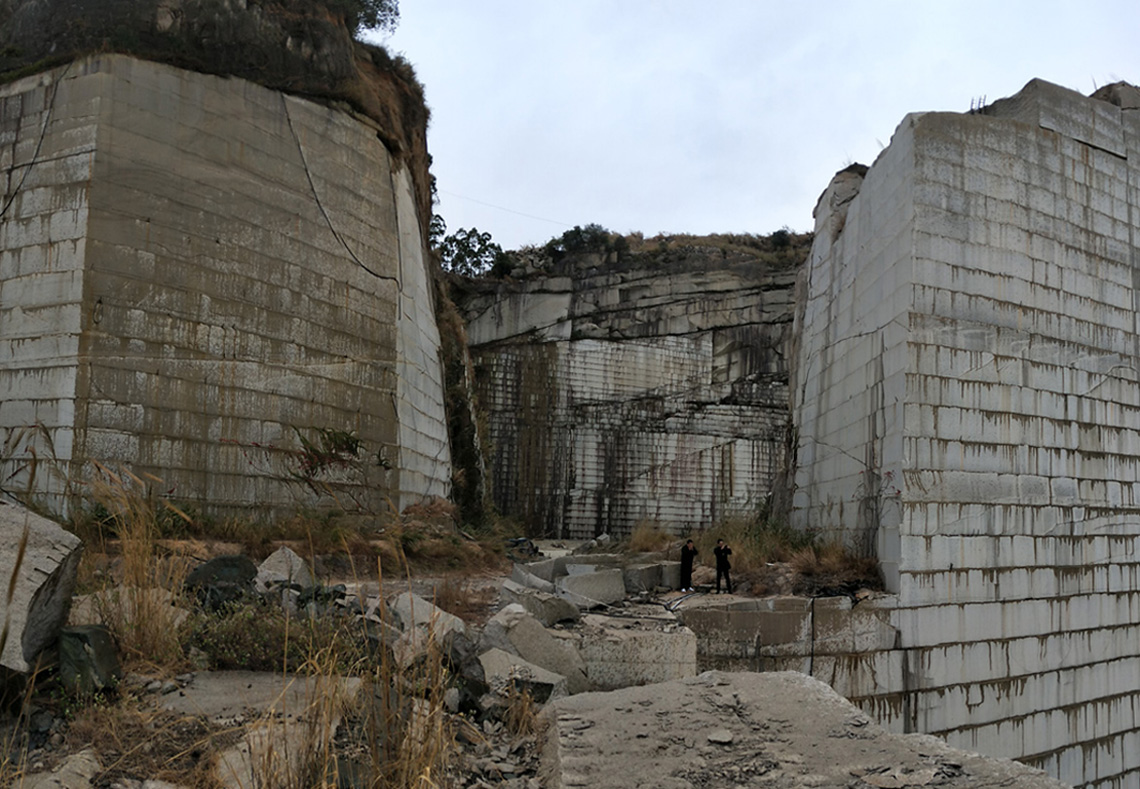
x=721 y=552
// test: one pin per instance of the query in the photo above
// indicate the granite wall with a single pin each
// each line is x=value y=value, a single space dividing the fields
x=197 y=276
x=967 y=399
x=619 y=393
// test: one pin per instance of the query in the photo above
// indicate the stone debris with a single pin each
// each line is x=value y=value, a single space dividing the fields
x=76 y=771
x=39 y=581
x=721 y=731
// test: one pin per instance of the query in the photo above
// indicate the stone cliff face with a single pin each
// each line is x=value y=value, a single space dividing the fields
x=297 y=46
x=966 y=401
x=216 y=283
x=645 y=389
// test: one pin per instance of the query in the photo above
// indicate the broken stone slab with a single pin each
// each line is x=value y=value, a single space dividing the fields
x=516 y=631
x=591 y=590
x=546 y=570
x=641 y=577
x=76 y=771
x=523 y=577
x=88 y=660
x=283 y=566
x=502 y=670
x=424 y=623
x=41 y=579
x=546 y=608
x=410 y=610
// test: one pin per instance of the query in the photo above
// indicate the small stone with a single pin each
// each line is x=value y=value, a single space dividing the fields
x=720 y=737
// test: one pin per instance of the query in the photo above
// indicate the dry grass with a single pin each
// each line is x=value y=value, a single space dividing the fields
x=141 y=608
x=754 y=543
x=831 y=569
x=521 y=716
x=648 y=537
x=134 y=741
x=818 y=568
x=458 y=595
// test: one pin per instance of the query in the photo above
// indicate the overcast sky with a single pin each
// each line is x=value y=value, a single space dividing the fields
x=712 y=116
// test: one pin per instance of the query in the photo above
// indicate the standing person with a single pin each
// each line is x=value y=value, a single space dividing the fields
x=688 y=553
x=722 y=552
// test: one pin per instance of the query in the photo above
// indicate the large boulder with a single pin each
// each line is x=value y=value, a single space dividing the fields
x=38 y=560
x=516 y=631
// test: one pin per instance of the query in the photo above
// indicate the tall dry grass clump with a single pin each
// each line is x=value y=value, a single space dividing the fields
x=754 y=542
x=648 y=537
x=388 y=727
x=139 y=606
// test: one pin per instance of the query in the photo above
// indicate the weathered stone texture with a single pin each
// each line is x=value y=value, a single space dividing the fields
x=198 y=271
x=616 y=396
x=38 y=561
x=967 y=402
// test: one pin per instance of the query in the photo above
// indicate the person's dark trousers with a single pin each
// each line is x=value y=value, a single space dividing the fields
x=727 y=581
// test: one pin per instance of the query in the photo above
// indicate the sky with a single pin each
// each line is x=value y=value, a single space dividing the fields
x=721 y=116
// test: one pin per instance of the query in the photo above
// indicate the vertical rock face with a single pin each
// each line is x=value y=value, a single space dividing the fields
x=38 y=560
x=966 y=399
x=639 y=391
x=217 y=283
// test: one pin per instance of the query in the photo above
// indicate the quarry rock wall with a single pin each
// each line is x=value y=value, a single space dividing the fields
x=198 y=275
x=621 y=394
x=967 y=400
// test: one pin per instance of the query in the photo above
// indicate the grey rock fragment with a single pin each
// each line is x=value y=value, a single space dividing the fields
x=42 y=578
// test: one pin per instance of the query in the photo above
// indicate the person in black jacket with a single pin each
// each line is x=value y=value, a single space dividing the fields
x=722 y=552
x=688 y=553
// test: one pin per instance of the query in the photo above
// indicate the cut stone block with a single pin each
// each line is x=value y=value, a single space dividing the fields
x=617 y=656
x=670 y=574
x=516 y=631
x=546 y=569
x=521 y=575
x=44 y=579
x=590 y=590
x=503 y=669
x=641 y=577
x=546 y=608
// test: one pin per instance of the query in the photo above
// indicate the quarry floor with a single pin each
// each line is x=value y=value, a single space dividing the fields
x=777 y=730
